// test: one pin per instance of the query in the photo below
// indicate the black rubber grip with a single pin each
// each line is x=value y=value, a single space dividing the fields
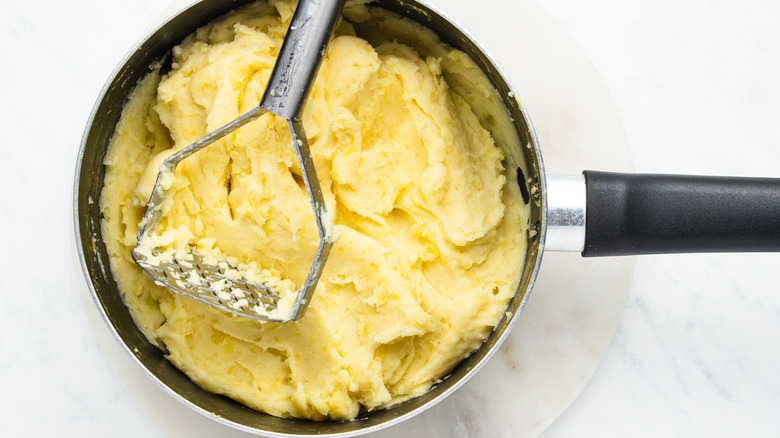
x=631 y=214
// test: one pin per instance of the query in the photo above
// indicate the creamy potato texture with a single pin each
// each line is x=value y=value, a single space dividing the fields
x=430 y=236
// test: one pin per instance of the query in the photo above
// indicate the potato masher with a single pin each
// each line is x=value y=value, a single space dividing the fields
x=220 y=281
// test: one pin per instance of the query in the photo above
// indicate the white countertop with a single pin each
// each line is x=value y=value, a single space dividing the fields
x=696 y=351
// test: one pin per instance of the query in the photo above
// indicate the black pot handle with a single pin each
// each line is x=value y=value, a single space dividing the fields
x=632 y=214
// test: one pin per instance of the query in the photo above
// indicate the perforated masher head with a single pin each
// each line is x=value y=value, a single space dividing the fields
x=220 y=282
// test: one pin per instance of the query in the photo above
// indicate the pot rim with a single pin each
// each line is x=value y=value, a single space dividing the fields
x=536 y=166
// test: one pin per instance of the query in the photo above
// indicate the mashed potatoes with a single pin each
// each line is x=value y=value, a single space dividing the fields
x=430 y=235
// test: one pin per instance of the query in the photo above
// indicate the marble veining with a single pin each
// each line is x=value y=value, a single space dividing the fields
x=695 y=348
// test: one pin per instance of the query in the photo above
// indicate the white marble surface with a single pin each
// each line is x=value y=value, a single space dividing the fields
x=696 y=351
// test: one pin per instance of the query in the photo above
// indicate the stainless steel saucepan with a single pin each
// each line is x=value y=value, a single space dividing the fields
x=595 y=213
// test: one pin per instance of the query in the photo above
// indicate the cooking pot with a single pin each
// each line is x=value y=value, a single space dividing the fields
x=595 y=213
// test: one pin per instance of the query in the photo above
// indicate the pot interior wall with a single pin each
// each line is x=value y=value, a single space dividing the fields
x=90 y=173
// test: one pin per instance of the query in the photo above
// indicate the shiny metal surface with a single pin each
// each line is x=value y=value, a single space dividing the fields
x=566 y=196
x=89 y=182
x=224 y=285
x=303 y=49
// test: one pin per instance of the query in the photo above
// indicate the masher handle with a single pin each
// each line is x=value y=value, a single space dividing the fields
x=300 y=56
x=653 y=214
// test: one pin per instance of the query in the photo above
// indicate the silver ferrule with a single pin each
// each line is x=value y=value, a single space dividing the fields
x=566 y=197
